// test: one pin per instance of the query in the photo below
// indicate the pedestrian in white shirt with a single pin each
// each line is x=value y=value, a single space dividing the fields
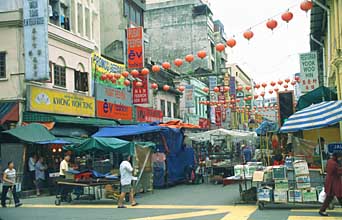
x=126 y=171
x=32 y=169
x=63 y=168
x=9 y=180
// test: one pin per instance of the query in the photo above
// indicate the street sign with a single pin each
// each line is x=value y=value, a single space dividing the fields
x=335 y=147
x=308 y=71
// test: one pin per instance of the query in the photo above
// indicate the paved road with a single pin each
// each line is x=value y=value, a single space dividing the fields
x=199 y=202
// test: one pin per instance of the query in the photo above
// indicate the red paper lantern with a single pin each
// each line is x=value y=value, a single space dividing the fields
x=110 y=76
x=280 y=82
x=181 y=88
x=103 y=77
x=276 y=89
x=145 y=71
x=264 y=85
x=236 y=100
x=249 y=97
x=117 y=75
x=127 y=82
x=216 y=89
x=113 y=80
x=287 y=80
x=293 y=83
x=297 y=78
x=189 y=58
x=155 y=68
x=231 y=42
x=256 y=96
x=125 y=74
x=248 y=34
x=202 y=54
x=262 y=94
x=257 y=86
x=271 y=24
x=287 y=16
x=166 y=88
x=306 y=5
x=239 y=88
x=273 y=83
x=220 y=47
x=248 y=88
x=166 y=65
x=178 y=62
x=138 y=84
x=205 y=89
x=286 y=86
x=231 y=106
x=245 y=99
x=270 y=91
x=154 y=86
x=135 y=73
x=226 y=89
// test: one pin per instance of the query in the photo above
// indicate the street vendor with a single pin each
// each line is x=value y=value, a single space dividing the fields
x=126 y=171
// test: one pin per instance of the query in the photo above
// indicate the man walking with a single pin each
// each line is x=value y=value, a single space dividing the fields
x=126 y=170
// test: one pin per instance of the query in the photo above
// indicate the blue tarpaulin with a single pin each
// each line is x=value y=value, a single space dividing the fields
x=128 y=130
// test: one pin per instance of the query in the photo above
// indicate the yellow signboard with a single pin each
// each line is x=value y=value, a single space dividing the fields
x=53 y=101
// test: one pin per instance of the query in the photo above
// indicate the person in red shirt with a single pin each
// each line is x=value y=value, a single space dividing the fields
x=333 y=182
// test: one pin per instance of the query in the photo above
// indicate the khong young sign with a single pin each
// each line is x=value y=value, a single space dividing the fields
x=54 y=101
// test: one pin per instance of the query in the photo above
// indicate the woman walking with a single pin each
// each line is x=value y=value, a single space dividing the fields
x=9 y=178
x=333 y=182
x=40 y=174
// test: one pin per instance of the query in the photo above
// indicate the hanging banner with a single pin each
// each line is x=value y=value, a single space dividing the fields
x=308 y=71
x=232 y=86
x=148 y=114
x=105 y=109
x=135 y=48
x=101 y=66
x=54 y=101
x=35 y=15
x=189 y=96
x=140 y=94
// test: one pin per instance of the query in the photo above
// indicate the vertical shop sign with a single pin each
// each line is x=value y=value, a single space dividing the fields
x=140 y=94
x=212 y=82
x=308 y=71
x=232 y=87
x=218 y=116
x=189 y=96
x=135 y=48
x=35 y=15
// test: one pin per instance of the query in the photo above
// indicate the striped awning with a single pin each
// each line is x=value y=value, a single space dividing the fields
x=314 y=117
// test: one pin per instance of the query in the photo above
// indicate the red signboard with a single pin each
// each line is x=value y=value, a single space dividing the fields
x=140 y=93
x=204 y=123
x=135 y=48
x=113 y=111
x=218 y=116
x=148 y=114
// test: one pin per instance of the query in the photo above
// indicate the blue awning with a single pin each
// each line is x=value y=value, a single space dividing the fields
x=129 y=130
x=316 y=116
x=57 y=141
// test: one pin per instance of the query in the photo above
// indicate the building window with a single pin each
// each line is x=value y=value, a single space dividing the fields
x=169 y=111
x=59 y=75
x=87 y=22
x=176 y=110
x=162 y=106
x=2 y=64
x=81 y=81
x=80 y=18
x=133 y=13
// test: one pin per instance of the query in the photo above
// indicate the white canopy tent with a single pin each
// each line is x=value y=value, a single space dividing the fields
x=206 y=136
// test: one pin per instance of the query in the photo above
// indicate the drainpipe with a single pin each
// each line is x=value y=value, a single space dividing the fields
x=327 y=10
x=325 y=78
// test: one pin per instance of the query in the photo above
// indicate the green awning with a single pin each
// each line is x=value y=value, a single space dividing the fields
x=105 y=145
x=316 y=96
x=31 y=133
x=41 y=117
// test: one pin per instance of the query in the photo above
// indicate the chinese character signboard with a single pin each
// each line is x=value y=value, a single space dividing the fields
x=140 y=94
x=35 y=15
x=232 y=86
x=121 y=96
x=308 y=71
x=218 y=116
x=135 y=48
x=53 y=101
x=189 y=96
x=148 y=115
x=110 y=110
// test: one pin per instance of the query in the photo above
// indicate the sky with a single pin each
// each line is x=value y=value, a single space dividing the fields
x=268 y=55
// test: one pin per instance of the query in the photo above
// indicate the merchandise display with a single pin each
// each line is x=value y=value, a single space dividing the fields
x=280 y=196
